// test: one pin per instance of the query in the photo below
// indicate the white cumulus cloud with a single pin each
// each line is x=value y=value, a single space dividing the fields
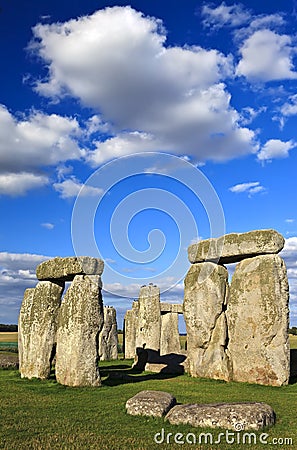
x=290 y=107
x=275 y=148
x=36 y=140
x=156 y=97
x=16 y=184
x=224 y=15
x=266 y=56
x=71 y=188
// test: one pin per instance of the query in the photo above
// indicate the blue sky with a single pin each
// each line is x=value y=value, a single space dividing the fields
x=129 y=130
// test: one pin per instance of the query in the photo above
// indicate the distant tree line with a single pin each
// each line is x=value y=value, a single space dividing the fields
x=5 y=327
x=293 y=330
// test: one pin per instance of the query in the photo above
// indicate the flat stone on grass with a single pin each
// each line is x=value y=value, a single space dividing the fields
x=232 y=416
x=150 y=403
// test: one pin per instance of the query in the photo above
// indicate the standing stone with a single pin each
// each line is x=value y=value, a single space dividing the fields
x=130 y=326
x=234 y=247
x=205 y=298
x=258 y=320
x=108 y=337
x=149 y=319
x=80 y=321
x=37 y=329
x=170 y=342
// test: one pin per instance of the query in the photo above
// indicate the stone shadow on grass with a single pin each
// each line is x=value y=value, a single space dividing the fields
x=164 y=367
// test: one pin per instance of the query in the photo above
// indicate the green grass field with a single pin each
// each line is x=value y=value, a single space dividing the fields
x=45 y=415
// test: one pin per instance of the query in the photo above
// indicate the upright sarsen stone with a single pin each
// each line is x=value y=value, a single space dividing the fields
x=205 y=298
x=37 y=328
x=80 y=321
x=258 y=319
x=130 y=328
x=108 y=337
x=170 y=342
x=148 y=329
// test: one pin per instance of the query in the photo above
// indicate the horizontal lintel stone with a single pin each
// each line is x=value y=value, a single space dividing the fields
x=65 y=269
x=235 y=247
x=170 y=307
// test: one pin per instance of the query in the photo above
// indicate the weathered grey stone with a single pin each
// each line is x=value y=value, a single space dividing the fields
x=130 y=326
x=236 y=246
x=148 y=329
x=108 y=337
x=80 y=321
x=258 y=320
x=232 y=416
x=169 y=342
x=66 y=269
x=150 y=403
x=37 y=329
x=205 y=297
x=171 y=307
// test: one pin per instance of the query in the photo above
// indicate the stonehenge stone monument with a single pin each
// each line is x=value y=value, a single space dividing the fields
x=68 y=329
x=238 y=333
x=204 y=305
x=148 y=329
x=80 y=321
x=258 y=320
x=151 y=333
x=37 y=328
x=108 y=337
x=234 y=247
x=130 y=325
x=65 y=269
x=169 y=339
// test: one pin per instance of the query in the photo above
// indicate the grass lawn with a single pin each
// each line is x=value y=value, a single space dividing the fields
x=45 y=415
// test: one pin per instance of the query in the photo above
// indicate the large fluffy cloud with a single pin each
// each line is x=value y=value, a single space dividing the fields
x=31 y=142
x=165 y=98
x=267 y=55
x=36 y=140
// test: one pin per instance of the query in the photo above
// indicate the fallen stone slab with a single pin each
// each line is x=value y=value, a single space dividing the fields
x=232 y=416
x=150 y=403
x=235 y=247
x=65 y=269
